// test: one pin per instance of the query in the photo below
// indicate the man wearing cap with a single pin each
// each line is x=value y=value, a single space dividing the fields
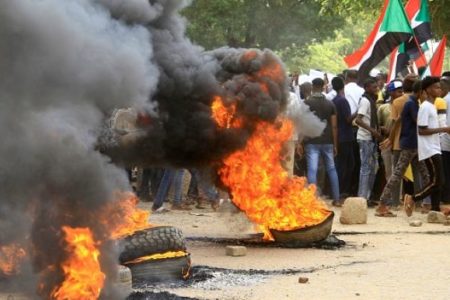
x=395 y=90
x=429 y=147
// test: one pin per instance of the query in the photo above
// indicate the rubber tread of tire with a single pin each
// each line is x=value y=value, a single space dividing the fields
x=151 y=241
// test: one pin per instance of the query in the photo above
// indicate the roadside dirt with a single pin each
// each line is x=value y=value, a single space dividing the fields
x=383 y=259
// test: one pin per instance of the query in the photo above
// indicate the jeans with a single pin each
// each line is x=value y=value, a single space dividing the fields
x=396 y=190
x=170 y=176
x=369 y=167
x=193 y=186
x=205 y=187
x=312 y=160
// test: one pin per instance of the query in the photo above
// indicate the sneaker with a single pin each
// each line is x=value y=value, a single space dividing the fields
x=160 y=210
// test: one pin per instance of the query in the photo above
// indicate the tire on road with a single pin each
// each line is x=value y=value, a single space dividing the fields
x=151 y=241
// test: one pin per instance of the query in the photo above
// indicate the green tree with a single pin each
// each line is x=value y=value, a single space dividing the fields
x=274 y=24
x=439 y=10
x=329 y=54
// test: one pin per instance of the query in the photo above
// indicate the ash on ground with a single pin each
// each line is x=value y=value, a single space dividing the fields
x=209 y=278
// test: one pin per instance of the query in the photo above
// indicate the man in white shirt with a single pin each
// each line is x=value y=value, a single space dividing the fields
x=429 y=147
x=368 y=136
x=353 y=92
x=445 y=140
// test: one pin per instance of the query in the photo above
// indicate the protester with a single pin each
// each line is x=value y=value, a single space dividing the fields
x=353 y=92
x=305 y=90
x=288 y=157
x=345 y=158
x=324 y=146
x=445 y=140
x=408 y=154
x=429 y=148
x=398 y=103
x=381 y=81
x=395 y=90
x=368 y=138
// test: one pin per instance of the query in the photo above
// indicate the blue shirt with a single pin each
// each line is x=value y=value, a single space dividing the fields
x=408 y=134
x=345 y=130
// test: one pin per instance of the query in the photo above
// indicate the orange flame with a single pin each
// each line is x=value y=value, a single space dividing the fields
x=10 y=258
x=169 y=254
x=83 y=278
x=261 y=187
x=124 y=218
x=223 y=115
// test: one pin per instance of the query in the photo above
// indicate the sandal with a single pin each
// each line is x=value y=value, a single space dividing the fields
x=409 y=205
x=386 y=214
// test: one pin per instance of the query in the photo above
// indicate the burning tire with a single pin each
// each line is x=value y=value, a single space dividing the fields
x=152 y=241
x=160 y=270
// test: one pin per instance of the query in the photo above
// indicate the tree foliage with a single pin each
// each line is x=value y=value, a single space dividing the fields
x=439 y=11
x=327 y=55
x=273 y=24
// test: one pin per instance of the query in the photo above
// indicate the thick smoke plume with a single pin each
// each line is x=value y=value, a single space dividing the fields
x=64 y=67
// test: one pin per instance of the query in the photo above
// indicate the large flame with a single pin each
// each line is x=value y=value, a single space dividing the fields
x=10 y=258
x=83 y=278
x=123 y=217
x=262 y=188
x=258 y=184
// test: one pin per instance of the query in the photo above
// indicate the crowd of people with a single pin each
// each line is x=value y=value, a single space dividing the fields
x=387 y=142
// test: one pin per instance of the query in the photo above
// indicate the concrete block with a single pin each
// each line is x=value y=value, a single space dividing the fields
x=354 y=211
x=436 y=217
x=236 y=251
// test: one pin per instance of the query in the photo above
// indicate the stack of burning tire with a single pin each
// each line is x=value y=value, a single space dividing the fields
x=156 y=254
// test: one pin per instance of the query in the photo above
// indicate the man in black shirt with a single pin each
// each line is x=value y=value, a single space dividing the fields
x=345 y=159
x=326 y=144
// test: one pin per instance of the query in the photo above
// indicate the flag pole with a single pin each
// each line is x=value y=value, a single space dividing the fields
x=418 y=45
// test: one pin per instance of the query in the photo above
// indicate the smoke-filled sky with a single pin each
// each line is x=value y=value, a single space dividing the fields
x=64 y=67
